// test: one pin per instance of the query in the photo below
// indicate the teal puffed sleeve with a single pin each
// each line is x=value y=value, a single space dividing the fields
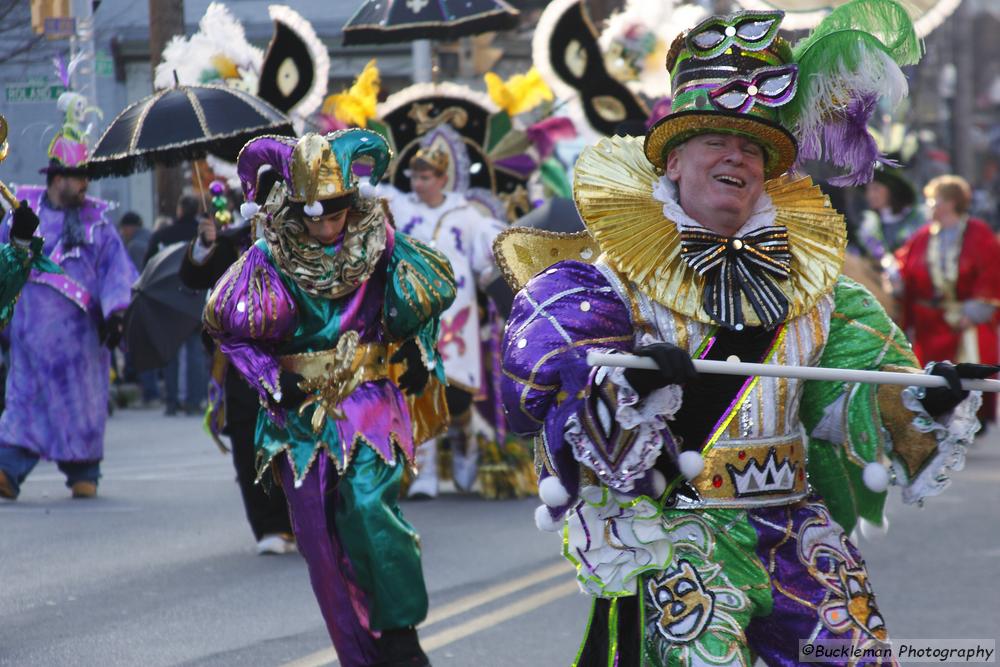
x=421 y=286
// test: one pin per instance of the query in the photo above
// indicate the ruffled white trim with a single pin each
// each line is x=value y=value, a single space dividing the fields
x=665 y=191
x=648 y=416
x=954 y=433
x=661 y=404
x=612 y=541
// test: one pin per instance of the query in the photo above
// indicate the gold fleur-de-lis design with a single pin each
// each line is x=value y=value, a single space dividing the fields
x=457 y=117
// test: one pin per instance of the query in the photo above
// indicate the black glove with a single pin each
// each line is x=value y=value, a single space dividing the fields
x=940 y=400
x=417 y=375
x=112 y=329
x=25 y=222
x=292 y=395
x=675 y=367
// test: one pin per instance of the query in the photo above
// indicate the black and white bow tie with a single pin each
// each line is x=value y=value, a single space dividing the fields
x=749 y=265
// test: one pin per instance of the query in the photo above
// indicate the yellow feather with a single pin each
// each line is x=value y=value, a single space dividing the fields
x=356 y=105
x=520 y=93
x=225 y=67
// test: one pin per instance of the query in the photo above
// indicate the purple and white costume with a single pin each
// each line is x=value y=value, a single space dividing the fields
x=57 y=387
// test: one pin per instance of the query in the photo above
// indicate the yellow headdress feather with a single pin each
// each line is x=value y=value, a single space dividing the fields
x=356 y=105
x=520 y=93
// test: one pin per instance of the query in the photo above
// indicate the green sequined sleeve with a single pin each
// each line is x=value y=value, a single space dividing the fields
x=421 y=286
x=862 y=337
x=15 y=265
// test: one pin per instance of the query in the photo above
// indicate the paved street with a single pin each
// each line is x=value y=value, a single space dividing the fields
x=160 y=569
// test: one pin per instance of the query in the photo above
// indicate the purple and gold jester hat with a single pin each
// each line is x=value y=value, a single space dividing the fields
x=316 y=169
x=734 y=74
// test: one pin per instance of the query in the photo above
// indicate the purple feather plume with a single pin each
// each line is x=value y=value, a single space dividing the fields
x=845 y=142
x=545 y=133
x=660 y=109
x=62 y=70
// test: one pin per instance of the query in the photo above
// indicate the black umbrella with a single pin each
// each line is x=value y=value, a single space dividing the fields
x=183 y=123
x=163 y=313
x=392 y=21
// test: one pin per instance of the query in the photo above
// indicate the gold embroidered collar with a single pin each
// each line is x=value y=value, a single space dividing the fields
x=613 y=188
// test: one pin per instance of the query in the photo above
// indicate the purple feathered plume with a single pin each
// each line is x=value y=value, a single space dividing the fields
x=660 y=109
x=545 y=133
x=65 y=70
x=845 y=142
x=62 y=71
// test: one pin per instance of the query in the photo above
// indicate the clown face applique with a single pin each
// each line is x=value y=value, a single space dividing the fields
x=684 y=603
x=860 y=606
x=850 y=609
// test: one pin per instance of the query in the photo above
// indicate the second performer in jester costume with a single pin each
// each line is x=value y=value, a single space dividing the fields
x=333 y=318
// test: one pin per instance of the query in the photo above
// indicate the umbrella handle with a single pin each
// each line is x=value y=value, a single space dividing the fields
x=197 y=174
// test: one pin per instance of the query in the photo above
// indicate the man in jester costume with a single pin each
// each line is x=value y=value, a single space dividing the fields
x=333 y=317
x=708 y=515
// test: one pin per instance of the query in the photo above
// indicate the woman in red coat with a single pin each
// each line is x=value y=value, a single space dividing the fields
x=950 y=280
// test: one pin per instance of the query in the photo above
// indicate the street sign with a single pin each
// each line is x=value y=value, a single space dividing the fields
x=104 y=65
x=60 y=27
x=24 y=93
x=43 y=10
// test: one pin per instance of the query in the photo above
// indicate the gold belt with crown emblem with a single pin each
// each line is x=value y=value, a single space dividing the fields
x=756 y=472
x=330 y=376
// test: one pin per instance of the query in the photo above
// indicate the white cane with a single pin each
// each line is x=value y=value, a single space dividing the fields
x=736 y=367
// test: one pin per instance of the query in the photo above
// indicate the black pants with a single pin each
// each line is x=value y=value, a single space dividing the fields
x=459 y=401
x=265 y=504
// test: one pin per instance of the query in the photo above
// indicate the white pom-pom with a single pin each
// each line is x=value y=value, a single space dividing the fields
x=249 y=209
x=366 y=189
x=876 y=477
x=313 y=210
x=657 y=483
x=691 y=464
x=544 y=521
x=552 y=492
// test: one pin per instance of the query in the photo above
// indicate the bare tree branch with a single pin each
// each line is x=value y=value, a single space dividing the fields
x=16 y=35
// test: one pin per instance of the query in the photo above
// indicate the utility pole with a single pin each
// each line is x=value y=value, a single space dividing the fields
x=166 y=19
x=423 y=60
x=82 y=44
x=964 y=158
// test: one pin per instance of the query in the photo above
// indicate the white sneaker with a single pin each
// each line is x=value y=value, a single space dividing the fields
x=276 y=543
x=425 y=484
x=464 y=469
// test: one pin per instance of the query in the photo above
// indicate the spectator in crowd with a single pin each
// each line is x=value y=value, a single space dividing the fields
x=183 y=228
x=135 y=236
x=949 y=282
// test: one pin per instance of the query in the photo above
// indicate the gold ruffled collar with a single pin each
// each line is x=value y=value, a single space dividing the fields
x=311 y=266
x=613 y=188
